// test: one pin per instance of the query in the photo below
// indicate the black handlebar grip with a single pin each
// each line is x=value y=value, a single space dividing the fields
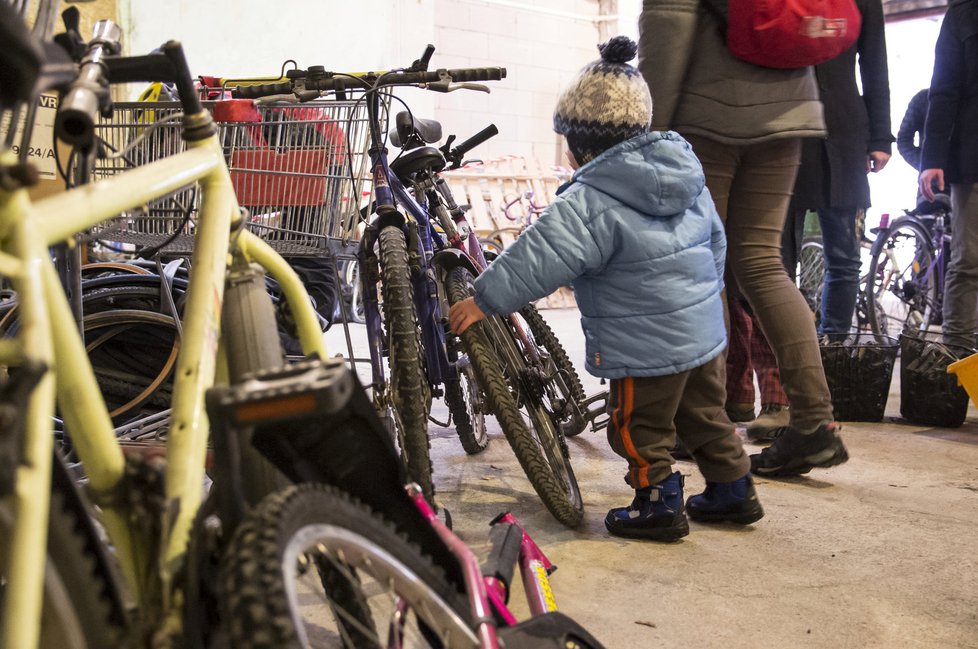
x=476 y=140
x=184 y=81
x=262 y=90
x=477 y=74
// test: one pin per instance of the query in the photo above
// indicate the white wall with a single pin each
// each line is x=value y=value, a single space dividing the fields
x=542 y=44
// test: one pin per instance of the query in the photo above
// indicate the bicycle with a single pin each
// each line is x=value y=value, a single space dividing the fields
x=389 y=572
x=420 y=272
x=908 y=263
x=123 y=573
x=493 y=241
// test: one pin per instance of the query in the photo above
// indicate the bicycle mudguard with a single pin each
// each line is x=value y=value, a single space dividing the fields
x=314 y=421
x=450 y=258
x=552 y=630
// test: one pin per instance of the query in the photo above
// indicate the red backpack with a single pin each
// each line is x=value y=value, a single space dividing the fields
x=789 y=33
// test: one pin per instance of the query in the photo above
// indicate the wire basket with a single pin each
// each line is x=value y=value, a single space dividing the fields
x=299 y=169
x=858 y=371
x=928 y=394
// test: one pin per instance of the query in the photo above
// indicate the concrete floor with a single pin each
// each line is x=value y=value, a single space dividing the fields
x=880 y=552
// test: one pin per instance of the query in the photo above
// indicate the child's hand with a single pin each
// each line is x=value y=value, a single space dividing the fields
x=464 y=314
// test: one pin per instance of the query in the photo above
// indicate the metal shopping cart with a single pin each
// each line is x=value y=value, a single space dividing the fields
x=299 y=169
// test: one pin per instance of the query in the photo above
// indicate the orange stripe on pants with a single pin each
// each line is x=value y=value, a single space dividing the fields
x=627 y=402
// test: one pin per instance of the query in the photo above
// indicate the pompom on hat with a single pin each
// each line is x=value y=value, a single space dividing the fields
x=607 y=103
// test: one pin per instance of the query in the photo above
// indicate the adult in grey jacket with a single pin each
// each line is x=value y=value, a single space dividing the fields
x=949 y=156
x=745 y=123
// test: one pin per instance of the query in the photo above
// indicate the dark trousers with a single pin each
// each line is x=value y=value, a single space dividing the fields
x=647 y=413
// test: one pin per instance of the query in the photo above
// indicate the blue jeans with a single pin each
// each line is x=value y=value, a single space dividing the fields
x=842 y=266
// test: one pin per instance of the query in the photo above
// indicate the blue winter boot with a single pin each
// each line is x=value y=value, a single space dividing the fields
x=656 y=513
x=726 y=501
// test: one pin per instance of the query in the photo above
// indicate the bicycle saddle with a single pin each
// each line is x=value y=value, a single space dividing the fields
x=426 y=158
x=410 y=132
x=941 y=202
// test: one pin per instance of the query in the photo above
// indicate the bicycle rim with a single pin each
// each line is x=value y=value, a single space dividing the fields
x=901 y=287
x=563 y=386
x=312 y=567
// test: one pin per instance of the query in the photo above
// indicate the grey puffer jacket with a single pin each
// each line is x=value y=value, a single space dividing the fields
x=699 y=88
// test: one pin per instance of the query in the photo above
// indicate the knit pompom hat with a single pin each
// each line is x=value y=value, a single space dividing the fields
x=607 y=103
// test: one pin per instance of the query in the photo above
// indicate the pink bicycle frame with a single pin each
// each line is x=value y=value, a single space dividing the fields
x=487 y=595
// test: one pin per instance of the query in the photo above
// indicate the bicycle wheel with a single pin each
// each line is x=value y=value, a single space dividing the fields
x=410 y=392
x=901 y=290
x=78 y=611
x=465 y=402
x=309 y=545
x=560 y=372
x=811 y=273
x=517 y=393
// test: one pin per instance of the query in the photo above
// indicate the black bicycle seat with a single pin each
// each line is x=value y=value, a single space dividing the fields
x=409 y=127
x=941 y=202
x=425 y=158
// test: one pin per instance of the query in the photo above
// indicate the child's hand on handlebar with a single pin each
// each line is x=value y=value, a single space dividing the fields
x=464 y=314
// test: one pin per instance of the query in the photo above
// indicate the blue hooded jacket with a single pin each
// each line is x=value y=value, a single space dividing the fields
x=635 y=232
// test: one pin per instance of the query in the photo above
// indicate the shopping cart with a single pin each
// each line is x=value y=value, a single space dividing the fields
x=300 y=170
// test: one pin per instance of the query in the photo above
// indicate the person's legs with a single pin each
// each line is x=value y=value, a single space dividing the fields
x=840 y=246
x=775 y=414
x=641 y=430
x=753 y=188
x=740 y=370
x=791 y=237
x=705 y=430
x=961 y=283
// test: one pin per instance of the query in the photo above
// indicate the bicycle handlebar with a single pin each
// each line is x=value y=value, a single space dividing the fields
x=75 y=121
x=457 y=153
x=325 y=82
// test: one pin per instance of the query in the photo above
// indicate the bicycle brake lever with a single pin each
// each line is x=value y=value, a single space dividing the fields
x=440 y=86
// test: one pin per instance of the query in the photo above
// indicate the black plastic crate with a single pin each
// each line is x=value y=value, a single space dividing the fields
x=928 y=394
x=859 y=370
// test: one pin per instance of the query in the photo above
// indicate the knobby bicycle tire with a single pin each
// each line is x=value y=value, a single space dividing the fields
x=347 y=554
x=904 y=296
x=410 y=392
x=565 y=375
x=540 y=449
x=465 y=402
x=78 y=611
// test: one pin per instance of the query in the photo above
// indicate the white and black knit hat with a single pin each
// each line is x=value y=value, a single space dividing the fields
x=609 y=102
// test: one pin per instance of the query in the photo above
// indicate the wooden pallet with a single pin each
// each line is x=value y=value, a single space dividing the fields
x=487 y=187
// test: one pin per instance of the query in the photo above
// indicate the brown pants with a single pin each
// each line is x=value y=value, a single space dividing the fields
x=647 y=413
x=752 y=186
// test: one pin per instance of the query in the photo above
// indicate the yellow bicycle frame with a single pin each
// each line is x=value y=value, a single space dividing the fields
x=49 y=336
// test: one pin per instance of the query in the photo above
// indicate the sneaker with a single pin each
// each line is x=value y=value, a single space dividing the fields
x=795 y=453
x=655 y=514
x=774 y=418
x=726 y=501
x=740 y=412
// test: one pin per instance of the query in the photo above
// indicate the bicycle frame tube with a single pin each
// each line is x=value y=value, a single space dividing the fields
x=49 y=336
x=534 y=570
x=310 y=335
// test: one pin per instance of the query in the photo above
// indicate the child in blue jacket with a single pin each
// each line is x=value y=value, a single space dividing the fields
x=636 y=234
